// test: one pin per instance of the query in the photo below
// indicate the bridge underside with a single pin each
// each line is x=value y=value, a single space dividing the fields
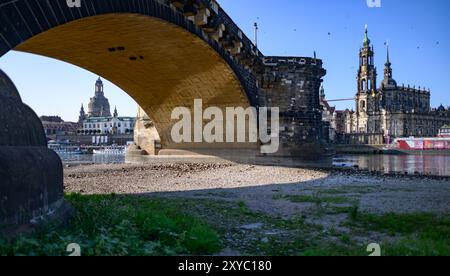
x=164 y=54
x=160 y=65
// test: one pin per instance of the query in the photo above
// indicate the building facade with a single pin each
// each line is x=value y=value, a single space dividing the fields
x=389 y=110
x=108 y=125
x=329 y=118
x=444 y=132
x=98 y=120
x=54 y=125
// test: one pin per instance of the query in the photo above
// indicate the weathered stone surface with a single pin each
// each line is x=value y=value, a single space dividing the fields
x=7 y=88
x=31 y=176
x=19 y=125
x=293 y=84
x=31 y=187
x=146 y=137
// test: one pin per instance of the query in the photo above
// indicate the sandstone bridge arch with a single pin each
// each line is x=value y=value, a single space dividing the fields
x=166 y=53
x=163 y=53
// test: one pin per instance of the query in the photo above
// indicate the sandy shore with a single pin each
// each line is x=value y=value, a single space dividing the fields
x=262 y=188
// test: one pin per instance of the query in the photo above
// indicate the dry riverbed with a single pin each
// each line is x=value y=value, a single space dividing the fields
x=280 y=210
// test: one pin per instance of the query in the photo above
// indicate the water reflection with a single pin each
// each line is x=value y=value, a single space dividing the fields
x=422 y=164
x=91 y=158
x=412 y=164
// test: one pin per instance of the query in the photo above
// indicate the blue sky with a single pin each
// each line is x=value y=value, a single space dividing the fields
x=416 y=30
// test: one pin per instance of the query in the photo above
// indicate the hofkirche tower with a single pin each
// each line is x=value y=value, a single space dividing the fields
x=99 y=104
x=367 y=94
x=387 y=110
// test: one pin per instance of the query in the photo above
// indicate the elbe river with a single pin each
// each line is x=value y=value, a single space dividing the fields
x=411 y=164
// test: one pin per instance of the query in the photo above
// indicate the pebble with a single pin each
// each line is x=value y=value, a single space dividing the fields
x=252 y=226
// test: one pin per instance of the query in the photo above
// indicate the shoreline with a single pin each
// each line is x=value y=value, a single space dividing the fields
x=267 y=207
x=261 y=185
x=340 y=169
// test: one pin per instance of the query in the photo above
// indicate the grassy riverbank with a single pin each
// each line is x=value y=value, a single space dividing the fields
x=133 y=225
x=120 y=225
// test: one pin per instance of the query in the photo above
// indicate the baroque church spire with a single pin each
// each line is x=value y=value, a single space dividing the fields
x=388 y=81
x=82 y=116
x=367 y=74
x=388 y=60
x=388 y=69
x=366 y=41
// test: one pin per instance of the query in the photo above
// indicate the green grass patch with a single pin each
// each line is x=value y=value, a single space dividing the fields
x=131 y=225
x=418 y=234
x=426 y=225
x=333 y=192
x=121 y=225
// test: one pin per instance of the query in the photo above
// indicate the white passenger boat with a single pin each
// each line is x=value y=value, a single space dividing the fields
x=113 y=150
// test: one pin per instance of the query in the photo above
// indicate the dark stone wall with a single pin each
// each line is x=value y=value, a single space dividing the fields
x=7 y=87
x=22 y=129
x=293 y=84
x=31 y=181
x=31 y=175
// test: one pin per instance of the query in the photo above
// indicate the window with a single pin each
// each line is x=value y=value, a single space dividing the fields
x=363 y=105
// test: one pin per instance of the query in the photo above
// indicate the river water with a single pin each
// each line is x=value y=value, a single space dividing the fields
x=411 y=164
x=78 y=159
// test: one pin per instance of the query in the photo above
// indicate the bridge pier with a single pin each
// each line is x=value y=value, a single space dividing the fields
x=31 y=175
x=290 y=84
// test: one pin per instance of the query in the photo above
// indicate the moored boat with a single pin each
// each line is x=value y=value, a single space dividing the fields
x=411 y=145
x=113 y=150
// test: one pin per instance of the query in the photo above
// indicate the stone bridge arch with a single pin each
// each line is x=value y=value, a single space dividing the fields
x=163 y=53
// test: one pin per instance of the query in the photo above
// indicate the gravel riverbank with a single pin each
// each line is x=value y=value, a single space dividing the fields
x=267 y=189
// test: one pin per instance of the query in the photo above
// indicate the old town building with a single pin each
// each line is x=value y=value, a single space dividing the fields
x=114 y=125
x=98 y=120
x=389 y=110
x=444 y=132
x=54 y=125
